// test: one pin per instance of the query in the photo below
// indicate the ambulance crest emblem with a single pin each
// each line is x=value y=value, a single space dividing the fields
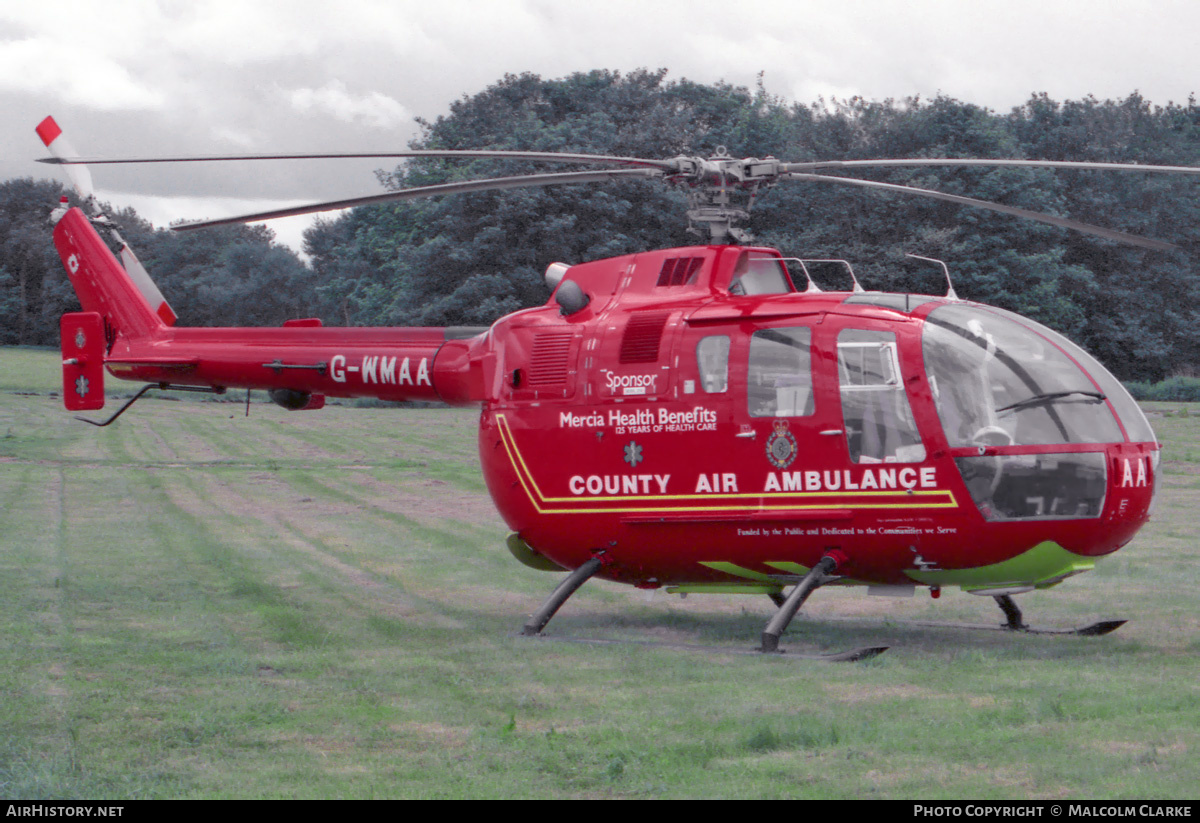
x=781 y=446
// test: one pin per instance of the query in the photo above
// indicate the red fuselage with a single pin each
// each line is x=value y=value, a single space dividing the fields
x=695 y=422
x=607 y=432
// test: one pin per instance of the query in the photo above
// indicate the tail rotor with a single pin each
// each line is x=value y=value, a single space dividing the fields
x=58 y=145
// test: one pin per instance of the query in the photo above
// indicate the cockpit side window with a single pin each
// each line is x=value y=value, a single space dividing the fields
x=757 y=273
x=712 y=361
x=880 y=427
x=779 y=377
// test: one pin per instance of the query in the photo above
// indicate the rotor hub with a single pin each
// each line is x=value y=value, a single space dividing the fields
x=720 y=192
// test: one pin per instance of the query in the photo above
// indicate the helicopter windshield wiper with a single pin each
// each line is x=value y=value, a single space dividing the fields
x=1053 y=397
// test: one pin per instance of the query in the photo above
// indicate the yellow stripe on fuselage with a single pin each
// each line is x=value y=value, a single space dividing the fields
x=730 y=502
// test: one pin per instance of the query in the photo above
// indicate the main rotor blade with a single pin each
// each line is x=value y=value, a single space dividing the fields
x=489 y=184
x=543 y=156
x=1086 y=228
x=983 y=163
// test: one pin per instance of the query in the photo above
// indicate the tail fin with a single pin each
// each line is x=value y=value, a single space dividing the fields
x=103 y=285
x=122 y=293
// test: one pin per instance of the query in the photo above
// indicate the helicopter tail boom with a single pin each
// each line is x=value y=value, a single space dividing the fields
x=122 y=330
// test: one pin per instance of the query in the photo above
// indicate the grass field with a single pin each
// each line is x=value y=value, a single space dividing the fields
x=199 y=604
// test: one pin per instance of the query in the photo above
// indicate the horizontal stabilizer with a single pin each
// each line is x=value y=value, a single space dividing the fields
x=179 y=365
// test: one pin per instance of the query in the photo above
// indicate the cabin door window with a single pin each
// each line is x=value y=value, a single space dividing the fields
x=779 y=378
x=878 y=419
x=712 y=363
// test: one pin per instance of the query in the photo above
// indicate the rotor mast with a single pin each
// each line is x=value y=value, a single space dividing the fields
x=714 y=187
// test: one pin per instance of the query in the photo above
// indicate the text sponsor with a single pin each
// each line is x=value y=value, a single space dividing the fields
x=630 y=384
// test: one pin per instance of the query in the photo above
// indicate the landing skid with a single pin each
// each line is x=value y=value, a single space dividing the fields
x=1014 y=622
x=848 y=656
x=1097 y=629
x=788 y=606
x=1100 y=627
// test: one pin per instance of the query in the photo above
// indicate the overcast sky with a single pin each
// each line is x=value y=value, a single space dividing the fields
x=168 y=77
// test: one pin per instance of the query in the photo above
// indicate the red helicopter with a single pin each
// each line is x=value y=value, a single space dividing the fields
x=691 y=419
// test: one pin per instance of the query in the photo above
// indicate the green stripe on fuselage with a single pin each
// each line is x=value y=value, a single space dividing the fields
x=1045 y=565
x=738 y=571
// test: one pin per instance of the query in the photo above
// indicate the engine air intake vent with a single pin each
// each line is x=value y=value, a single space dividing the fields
x=549 y=358
x=642 y=336
x=679 y=271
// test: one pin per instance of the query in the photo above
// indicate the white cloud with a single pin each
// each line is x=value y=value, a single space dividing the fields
x=234 y=137
x=209 y=76
x=372 y=108
x=82 y=76
x=240 y=33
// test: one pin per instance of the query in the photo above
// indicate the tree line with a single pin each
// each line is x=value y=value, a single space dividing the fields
x=470 y=258
x=228 y=276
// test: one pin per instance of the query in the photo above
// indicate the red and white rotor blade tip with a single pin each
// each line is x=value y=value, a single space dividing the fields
x=56 y=142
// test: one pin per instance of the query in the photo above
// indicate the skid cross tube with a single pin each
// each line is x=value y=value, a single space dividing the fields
x=565 y=589
x=1012 y=613
x=795 y=599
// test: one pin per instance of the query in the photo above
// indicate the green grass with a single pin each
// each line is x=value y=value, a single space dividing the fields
x=30 y=369
x=199 y=604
